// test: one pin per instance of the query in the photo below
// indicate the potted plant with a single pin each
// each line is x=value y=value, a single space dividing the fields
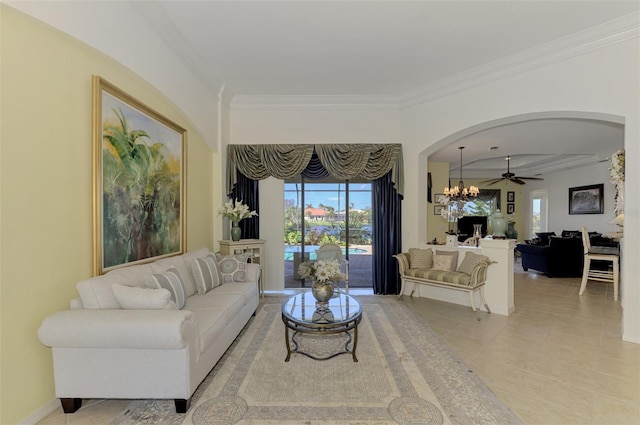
x=235 y=213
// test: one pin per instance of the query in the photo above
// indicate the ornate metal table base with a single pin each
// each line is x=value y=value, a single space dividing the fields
x=340 y=315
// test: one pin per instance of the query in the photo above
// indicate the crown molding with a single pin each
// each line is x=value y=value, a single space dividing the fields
x=314 y=103
x=594 y=38
x=615 y=31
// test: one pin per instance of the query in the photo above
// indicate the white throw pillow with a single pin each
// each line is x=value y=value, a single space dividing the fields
x=171 y=281
x=206 y=274
x=136 y=298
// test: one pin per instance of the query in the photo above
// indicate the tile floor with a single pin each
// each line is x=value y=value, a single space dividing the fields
x=558 y=359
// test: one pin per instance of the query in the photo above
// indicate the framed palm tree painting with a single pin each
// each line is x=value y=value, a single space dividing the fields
x=139 y=160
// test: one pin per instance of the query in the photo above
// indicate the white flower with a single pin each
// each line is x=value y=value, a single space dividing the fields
x=616 y=167
x=236 y=213
x=320 y=271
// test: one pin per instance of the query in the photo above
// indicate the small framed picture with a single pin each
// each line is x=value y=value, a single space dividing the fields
x=437 y=209
x=437 y=198
x=511 y=208
x=511 y=197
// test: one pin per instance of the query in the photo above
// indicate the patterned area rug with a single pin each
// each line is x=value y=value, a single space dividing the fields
x=405 y=375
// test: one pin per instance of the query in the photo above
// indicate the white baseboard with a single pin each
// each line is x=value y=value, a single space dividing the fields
x=41 y=413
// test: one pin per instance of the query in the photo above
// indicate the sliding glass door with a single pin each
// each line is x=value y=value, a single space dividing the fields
x=328 y=211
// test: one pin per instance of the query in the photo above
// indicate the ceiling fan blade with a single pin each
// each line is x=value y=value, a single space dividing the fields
x=530 y=178
x=494 y=181
x=516 y=180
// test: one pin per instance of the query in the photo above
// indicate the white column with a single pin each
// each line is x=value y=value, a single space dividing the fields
x=499 y=287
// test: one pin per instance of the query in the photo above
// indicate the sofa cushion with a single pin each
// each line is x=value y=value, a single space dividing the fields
x=135 y=298
x=456 y=278
x=205 y=273
x=230 y=303
x=171 y=281
x=470 y=261
x=420 y=258
x=211 y=324
x=544 y=237
x=233 y=267
x=96 y=293
x=248 y=290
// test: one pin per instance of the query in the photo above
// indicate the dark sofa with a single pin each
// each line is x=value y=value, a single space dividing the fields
x=562 y=257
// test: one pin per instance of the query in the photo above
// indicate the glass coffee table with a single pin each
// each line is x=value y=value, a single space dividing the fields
x=302 y=314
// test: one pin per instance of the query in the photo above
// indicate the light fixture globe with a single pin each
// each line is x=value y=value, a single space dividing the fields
x=461 y=193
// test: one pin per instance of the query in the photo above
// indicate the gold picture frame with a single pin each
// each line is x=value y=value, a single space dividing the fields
x=139 y=181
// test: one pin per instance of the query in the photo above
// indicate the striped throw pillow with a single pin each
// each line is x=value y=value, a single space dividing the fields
x=206 y=273
x=170 y=280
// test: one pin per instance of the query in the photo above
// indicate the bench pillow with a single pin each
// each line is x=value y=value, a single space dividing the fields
x=471 y=261
x=445 y=263
x=420 y=258
x=136 y=298
x=171 y=281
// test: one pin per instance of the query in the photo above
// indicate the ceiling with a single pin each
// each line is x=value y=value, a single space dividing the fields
x=373 y=48
x=360 y=47
x=393 y=48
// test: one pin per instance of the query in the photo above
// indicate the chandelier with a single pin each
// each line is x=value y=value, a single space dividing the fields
x=460 y=193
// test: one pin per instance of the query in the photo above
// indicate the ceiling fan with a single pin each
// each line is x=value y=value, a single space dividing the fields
x=509 y=176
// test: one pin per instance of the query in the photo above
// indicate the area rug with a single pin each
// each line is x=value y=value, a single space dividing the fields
x=405 y=375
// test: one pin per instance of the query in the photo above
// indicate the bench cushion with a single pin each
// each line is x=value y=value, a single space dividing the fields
x=456 y=278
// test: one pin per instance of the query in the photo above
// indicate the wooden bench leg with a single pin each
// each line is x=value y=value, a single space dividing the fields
x=473 y=304
x=484 y=300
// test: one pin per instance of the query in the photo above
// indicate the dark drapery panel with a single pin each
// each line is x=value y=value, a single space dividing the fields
x=387 y=235
x=315 y=170
x=246 y=190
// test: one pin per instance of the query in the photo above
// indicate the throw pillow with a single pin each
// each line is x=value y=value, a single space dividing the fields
x=206 y=274
x=444 y=262
x=453 y=254
x=420 y=258
x=136 y=298
x=233 y=268
x=544 y=237
x=470 y=261
x=171 y=281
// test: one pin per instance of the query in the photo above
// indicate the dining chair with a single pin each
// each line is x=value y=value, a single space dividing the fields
x=600 y=253
x=332 y=251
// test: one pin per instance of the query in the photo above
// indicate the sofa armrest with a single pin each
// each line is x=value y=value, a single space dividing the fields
x=252 y=272
x=403 y=262
x=133 y=329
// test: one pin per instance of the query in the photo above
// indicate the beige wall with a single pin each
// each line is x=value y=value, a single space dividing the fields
x=45 y=184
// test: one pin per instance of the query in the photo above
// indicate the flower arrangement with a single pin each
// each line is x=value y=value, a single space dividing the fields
x=616 y=167
x=236 y=212
x=320 y=271
x=616 y=171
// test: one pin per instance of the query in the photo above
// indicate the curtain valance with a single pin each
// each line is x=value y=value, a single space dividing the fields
x=343 y=161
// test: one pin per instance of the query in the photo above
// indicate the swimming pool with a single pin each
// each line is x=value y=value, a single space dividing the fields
x=311 y=250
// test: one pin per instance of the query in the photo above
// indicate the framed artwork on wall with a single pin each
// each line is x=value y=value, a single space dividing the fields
x=511 y=196
x=139 y=172
x=586 y=199
x=437 y=209
x=511 y=208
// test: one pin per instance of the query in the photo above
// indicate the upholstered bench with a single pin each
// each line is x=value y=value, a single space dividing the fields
x=425 y=267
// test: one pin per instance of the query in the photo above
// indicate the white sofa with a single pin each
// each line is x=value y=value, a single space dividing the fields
x=102 y=350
